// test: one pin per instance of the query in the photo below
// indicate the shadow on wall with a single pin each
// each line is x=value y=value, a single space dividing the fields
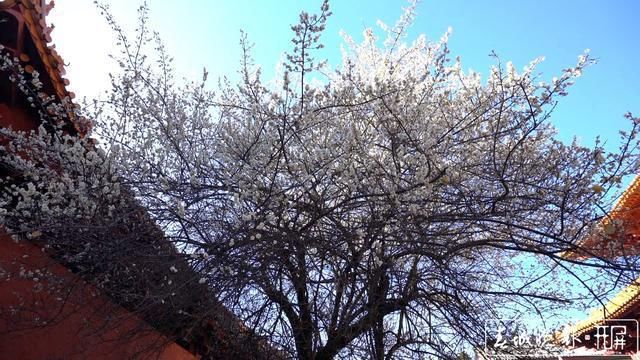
x=48 y=312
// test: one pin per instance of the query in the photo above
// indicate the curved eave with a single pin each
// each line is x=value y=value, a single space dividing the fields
x=34 y=13
x=626 y=211
x=616 y=308
x=39 y=31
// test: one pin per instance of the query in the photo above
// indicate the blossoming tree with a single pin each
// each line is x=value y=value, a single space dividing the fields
x=383 y=211
x=62 y=193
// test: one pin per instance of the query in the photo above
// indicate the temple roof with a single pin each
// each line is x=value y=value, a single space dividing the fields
x=618 y=233
x=33 y=14
x=617 y=308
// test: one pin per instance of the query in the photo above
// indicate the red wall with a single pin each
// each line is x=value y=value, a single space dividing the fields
x=15 y=118
x=52 y=314
x=46 y=312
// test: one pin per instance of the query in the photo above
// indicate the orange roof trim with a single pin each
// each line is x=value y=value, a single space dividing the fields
x=622 y=225
x=616 y=308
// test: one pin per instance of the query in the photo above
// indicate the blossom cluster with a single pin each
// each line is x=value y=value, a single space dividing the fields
x=50 y=171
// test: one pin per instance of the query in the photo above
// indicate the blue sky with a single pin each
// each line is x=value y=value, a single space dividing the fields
x=206 y=33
